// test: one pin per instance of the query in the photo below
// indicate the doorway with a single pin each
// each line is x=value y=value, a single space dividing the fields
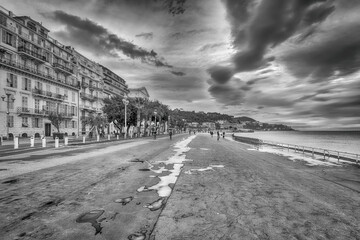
x=47 y=129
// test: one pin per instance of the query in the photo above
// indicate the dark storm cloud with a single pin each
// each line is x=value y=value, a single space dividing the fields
x=147 y=36
x=318 y=12
x=226 y=94
x=337 y=53
x=96 y=38
x=348 y=107
x=220 y=74
x=178 y=73
x=272 y=23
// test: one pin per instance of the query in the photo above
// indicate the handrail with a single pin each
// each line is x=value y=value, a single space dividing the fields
x=338 y=155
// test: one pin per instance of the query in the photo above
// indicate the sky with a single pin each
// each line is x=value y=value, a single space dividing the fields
x=294 y=62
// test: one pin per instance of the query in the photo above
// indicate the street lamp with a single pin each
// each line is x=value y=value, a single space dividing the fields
x=125 y=102
x=155 y=112
x=8 y=111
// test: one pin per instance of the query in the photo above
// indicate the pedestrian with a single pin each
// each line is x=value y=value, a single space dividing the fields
x=223 y=134
x=189 y=132
x=218 y=135
x=194 y=132
x=170 y=134
x=211 y=133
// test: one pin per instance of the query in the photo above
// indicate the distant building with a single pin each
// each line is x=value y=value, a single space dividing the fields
x=138 y=93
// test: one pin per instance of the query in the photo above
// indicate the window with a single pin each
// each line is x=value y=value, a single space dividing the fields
x=24 y=104
x=8 y=38
x=2 y=20
x=10 y=121
x=11 y=80
x=66 y=123
x=38 y=85
x=32 y=26
x=37 y=106
x=26 y=84
x=73 y=124
x=66 y=109
x=36 y=122
x=25 y=122
x=58 y=90
x=73 y=96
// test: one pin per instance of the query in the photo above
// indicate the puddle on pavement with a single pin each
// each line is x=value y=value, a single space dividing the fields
x=144 y=169
x=124 y=201
x=173 y=165
x=204 y=149
x=91 y=217
x=12 y=181
x=3 y=169
x=113 y=217
x=137 y=160
x=156 y=205
x=211 y=167
x=143 y=189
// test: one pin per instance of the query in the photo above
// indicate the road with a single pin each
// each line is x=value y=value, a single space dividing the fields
x=226 y=190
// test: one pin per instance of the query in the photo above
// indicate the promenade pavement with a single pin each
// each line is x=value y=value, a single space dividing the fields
x=193 y=187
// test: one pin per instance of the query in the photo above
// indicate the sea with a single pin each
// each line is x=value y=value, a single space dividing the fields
x=344 y=141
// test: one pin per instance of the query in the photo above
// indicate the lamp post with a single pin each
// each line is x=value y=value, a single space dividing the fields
x=155 y=112
x=125 y=102
x=8 y=101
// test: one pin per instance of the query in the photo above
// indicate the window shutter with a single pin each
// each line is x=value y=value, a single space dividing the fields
x=41 y=123
x=29 y=84
x=33 y=122
x=23 y=87
x=3 y=36
x=8 y=80
x=15 y=81
x=75 y=124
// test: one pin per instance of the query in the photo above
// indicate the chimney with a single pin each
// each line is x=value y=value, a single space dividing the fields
x=11 y=14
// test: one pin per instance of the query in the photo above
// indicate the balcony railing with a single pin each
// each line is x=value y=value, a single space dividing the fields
x=48 y=94
x=63 y=69
x=88 y=96
x=32 y=54
x=87 y=108
x=29 y=111
x=34 y=71
x=84 y=85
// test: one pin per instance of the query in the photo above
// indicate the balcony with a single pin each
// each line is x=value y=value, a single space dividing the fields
x=48 y=95
x=87 y=108
x=88 y=97
x=60 y=68
x=29 y=54
x=47 y=112
x=34 y=72
x=84 y=85
x=22 y=111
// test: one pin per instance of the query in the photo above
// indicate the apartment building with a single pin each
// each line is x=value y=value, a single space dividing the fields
x=37 y=77
x=90 y=74
x=114 y=85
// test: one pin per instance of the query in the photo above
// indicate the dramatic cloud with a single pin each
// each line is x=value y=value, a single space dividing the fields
x=336 y=53
x=95 y=37
x=227 y=94
x=177 y=73
x=189 y=33
x=147 y=36
x=220 y=74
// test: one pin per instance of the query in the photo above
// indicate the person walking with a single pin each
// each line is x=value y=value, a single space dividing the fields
x=170 y=134
x=223 y=134
x=218 y=135
x=211 y=133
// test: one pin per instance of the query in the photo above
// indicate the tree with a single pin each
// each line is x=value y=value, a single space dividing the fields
x=56 y=119
x=114 y=109
x=96 y=122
